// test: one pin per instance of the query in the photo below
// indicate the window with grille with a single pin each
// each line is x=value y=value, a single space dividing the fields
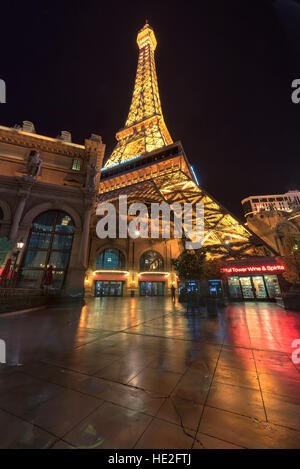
x=76 y=166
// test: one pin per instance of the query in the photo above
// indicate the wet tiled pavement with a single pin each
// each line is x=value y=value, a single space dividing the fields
x=140 y=373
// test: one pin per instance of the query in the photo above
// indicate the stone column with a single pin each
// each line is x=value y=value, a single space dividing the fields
x=22 y=196
x=89 y=203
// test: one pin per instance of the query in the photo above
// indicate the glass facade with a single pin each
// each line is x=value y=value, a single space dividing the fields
x=234 y=288
x=50 y=243
x=259 y=285
x=256 y=287
x=272 y=286
x=108 y=288
x=111 y=259
x=151 y=261
x=152 y=288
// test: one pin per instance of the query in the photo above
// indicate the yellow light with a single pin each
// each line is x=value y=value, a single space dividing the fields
x=166 y=274
x=145 y=129
x=103 y=271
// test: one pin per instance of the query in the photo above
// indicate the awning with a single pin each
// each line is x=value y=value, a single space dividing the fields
x=113 y=277
x=152 y=278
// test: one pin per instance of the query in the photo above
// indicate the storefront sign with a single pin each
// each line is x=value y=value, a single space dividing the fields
x=253 y=269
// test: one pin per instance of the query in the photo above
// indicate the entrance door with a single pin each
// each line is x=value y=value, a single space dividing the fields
x=152 y=288
x=272 y=286
x=260 y=290
x=247 y=287
x=234 y=288
x=108 y=288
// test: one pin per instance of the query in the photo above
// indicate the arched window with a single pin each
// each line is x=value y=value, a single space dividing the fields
x=151 y=261
x=111 y=258
x=50 y=243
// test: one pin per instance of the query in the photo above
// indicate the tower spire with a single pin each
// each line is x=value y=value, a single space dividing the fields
x=145 y=129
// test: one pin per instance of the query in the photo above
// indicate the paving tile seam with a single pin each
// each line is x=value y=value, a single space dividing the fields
x=169 y=338
x=92 y=341
x=222 y=439
x=28 y=422
x=254 y=419
x=104 y=401
x=208 y=392
x=57 y=365
x=129 y=387
x=235 y=413
x=295 y=400
x=236 y=385
x=182 y=426
x=149 y=320
x=82 y=420
x=255 y=364
x=160 y=408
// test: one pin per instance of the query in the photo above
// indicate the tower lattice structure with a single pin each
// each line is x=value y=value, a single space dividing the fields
x=147 y=166
x=145 y=129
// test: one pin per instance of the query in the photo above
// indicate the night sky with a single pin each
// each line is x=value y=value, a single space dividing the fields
x=224 y=71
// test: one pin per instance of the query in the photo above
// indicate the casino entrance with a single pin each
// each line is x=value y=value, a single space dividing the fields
x=108 y=288
x=152 y=288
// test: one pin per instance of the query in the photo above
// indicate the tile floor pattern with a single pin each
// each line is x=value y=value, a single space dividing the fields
x=140 y=373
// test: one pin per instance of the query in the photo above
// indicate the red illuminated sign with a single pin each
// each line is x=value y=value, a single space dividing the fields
x=250 y=269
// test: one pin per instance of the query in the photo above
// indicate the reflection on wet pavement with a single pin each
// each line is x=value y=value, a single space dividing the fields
x=140 y=373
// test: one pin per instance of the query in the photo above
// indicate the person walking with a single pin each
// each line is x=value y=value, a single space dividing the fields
x=173 y=292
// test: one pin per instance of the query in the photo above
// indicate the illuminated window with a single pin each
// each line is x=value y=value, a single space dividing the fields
x=111 y=259
x=50 y=243
x=76 y=166
x=151 y=261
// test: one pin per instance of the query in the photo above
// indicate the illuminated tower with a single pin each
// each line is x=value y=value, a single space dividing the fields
x=145 y=129
x=147 y=166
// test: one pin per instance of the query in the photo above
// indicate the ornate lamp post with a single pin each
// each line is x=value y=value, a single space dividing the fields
x=15 y=255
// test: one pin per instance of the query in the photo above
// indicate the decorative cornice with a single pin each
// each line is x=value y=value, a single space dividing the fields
x=39 y=142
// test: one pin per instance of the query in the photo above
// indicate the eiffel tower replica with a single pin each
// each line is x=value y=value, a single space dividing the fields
x=147 y=166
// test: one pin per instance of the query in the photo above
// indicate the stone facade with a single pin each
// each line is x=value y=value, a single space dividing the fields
x=65 y=178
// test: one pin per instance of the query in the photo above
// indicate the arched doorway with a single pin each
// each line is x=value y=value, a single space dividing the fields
x=151 y=285
x=151 y=261
x=49 y=243
x=108 y=282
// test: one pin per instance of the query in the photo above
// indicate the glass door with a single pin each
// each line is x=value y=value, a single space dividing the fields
x=152 y=288
x=260 y=290
x=98 y=288
x=160 y=288
x=234 y=288
x=112 y=289
x=272 y=286
x=119 y=288
x=108 y=288
x=247 y=288
x=105 y=290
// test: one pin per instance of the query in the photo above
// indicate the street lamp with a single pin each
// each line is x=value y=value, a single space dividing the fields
x=15 y=254
x=20 y=245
